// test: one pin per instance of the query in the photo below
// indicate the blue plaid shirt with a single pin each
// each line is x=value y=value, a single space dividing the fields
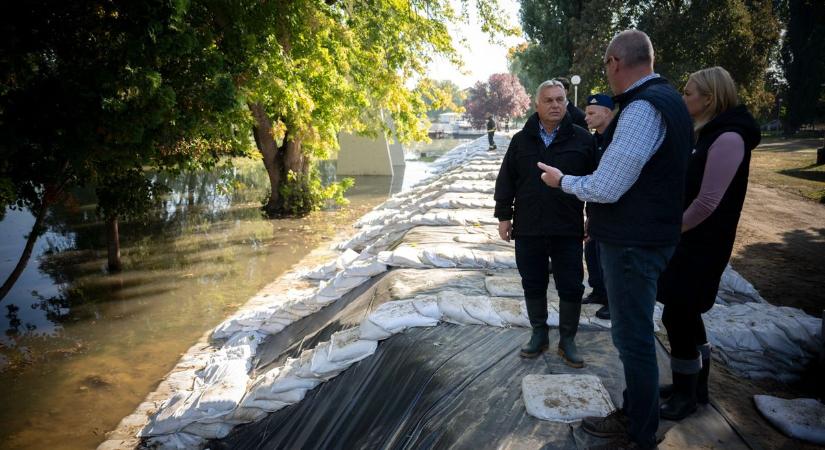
x=638 y=135
x=546 y=137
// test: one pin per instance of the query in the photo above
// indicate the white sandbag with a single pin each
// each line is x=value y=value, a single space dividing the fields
x=565 y=398
x=327 y=271
x=427 y=305
x=337 y=287
x=801 y=418
x=451 y=305
x=322 y=366
x=365 y=268
x=176 y=441
x=481 y=308
x=393 y=317
x=212 y=430
x=403 y=256
x=512 y=311
x=734 y=288
x=410 y=283
x=347 y=346
x=503 y=286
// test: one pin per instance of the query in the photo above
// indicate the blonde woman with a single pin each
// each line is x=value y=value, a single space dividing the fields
x=715 y=186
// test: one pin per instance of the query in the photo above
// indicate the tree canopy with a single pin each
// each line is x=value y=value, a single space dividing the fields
x=571 y=37
x=502 y=95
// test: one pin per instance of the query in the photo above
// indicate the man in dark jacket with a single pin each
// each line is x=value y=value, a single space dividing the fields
x=635 y=203
x=491 y=131
x=546 y=222
x=576 y=114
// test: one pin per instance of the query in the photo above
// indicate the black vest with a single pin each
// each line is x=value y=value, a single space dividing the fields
x=650 y=212
x=720 y=226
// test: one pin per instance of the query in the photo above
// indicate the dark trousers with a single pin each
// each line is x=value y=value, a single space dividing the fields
x=594 y=267
x=490 y=139
x=631 y=275
x=685 y=329
x=532 y=253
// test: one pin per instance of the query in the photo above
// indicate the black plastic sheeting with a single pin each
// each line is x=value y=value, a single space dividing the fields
x=448 y=386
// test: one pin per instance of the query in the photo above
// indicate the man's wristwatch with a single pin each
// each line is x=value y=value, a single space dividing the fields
x=560 y=178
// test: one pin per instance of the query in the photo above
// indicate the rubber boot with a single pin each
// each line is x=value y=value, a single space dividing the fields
x=539 y=341
x=569 y=313
x=682 y=401
x=702 y=396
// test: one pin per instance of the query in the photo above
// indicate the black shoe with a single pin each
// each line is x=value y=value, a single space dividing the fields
x=539 y=342
x=594 y=297
x=682 y=401
x=603 y=313
x=613 y=425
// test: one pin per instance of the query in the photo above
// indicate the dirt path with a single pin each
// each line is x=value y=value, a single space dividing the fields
x=780 y=248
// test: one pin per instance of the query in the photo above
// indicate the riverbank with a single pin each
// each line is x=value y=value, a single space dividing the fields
x=82 y=347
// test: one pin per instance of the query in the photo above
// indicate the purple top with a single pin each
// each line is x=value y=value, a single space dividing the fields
x=724 y=157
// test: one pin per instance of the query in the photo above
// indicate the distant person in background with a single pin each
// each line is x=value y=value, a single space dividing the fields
x=576 y=115
x=715 y=186
x=598 y=114
x=491 y=131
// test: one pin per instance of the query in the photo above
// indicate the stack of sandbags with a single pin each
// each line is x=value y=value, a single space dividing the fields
x=761 y=340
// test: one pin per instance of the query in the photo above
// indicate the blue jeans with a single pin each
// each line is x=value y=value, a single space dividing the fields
x=631 y=275
x=594 y=266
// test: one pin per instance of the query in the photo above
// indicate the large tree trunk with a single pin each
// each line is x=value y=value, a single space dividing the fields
x=114 y=263
x=27 y=250
x=272 y=155
x=279 y=161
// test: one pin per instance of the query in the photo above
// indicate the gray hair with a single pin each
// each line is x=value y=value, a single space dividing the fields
x=549 y=83
x=632 y=47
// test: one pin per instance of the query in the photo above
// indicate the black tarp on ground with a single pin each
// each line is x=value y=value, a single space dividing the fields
x=448 y=386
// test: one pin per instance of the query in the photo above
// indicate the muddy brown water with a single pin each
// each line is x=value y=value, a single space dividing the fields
x=81 y=348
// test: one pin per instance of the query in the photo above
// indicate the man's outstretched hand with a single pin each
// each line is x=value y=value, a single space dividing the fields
x=551 y=175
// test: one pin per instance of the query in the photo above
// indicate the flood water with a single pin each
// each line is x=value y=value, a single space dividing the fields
x=81 y=348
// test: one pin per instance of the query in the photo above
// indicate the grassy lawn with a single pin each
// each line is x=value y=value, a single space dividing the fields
x=789 y=165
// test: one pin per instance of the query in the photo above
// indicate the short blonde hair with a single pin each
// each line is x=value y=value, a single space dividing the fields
x=718 y=86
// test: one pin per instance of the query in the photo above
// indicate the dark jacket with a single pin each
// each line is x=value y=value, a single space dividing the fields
x=535 y=208
x=696 y=268
x=650 y=212
x=576 y=115
x=491 y=126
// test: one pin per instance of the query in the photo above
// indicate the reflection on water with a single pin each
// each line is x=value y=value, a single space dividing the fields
x=81 y=348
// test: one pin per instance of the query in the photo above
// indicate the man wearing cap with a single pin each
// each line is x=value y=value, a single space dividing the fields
x=598 y=114
x=576 y=115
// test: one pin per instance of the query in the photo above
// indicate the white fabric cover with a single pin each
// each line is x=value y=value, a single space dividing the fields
x=801 y=418
x=565 y=398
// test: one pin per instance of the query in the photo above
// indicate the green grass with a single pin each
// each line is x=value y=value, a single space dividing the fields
x=790 y=165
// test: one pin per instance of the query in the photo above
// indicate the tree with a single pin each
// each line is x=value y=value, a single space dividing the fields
x=312 y=69
x=566 y=37
x=440 y=96
x=98 y=89
x=501 y=96
x=803 y=47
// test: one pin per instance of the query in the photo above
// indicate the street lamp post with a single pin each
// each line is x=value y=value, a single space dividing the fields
x=575 y=80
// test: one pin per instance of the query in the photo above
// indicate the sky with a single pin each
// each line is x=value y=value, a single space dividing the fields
x=481 y=59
